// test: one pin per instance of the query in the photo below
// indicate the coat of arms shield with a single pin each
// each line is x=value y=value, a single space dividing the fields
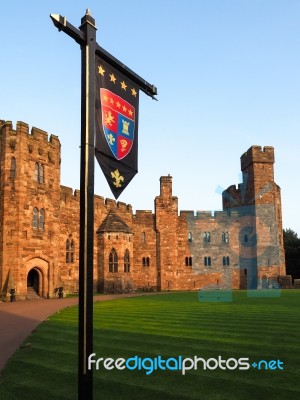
x=118 y=122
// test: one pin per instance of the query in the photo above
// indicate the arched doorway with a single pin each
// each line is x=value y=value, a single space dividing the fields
x=264 y=282
x=33 y=280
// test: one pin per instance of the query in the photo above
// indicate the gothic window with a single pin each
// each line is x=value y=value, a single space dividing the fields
x=38 y=220
x=113 y=261
x=190 y=237
x=188 y=261
x=146 y=262
x=206 y=237
x=143 y=237
x=246 y=238
x=207 y=261
x=35 y=218
x=42 y=219
x=67 y=250
x=13 y=165
x=39 y=173
x=36 y=172
x=126 y=261
x=225 y=237
x=70 y=251
x=226 y=260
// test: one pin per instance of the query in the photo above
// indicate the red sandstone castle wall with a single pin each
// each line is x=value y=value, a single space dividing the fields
x=162 y=237
x=23 y=246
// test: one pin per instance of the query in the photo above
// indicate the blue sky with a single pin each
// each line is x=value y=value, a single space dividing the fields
x=227 y=73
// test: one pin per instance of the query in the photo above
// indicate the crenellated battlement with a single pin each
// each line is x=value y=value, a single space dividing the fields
x=23 y=129
x=67 y=193
x=257 y=154
x=186 y=214
x=65 y=190
x=232 y=196
x=119 y=206
x=233 y=189
x=207 y=215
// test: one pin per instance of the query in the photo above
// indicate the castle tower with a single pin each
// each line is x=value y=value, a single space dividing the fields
x=29 y=222
x=258 y=202
x=257 y=165
x=166 y=214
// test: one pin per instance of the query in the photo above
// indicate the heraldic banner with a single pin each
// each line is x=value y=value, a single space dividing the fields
x=116 y=145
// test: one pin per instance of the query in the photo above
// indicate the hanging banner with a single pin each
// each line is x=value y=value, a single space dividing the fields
x=116 y=144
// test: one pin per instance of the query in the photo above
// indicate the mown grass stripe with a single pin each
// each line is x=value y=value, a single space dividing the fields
x=167 y=325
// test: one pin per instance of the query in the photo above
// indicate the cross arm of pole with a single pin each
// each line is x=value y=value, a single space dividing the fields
x=146 y=87
x=62 y=24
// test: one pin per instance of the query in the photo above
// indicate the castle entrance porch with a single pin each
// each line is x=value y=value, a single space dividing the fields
x=39 y=277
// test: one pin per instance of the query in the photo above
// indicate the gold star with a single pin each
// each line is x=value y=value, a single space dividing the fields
x=105 y=97
x=123 y=85
x=133 y=92
x=112 y=78
x=111 y=100
x=118 y=104
x=130 y=112
x=124 y=108
x=101 y=70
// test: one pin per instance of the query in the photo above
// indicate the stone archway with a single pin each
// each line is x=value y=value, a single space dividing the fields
x=37 y=277
x=33 y=280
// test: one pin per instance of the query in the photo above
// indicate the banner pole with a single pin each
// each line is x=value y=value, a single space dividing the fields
x=87 y=164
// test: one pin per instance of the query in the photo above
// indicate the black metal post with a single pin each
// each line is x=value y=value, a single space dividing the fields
x=86 y=258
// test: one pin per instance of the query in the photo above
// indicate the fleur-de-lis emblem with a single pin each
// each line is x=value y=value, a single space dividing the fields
x=118 y=178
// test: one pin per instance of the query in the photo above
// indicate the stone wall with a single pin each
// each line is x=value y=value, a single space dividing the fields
x=234 y=248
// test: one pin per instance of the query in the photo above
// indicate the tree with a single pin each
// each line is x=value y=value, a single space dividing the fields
x=292 y=253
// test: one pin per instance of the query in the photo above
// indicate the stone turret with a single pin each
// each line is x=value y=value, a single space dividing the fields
x=115 y=255
x=166 y=214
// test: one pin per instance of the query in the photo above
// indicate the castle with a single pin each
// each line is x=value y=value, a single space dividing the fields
x=239 y=247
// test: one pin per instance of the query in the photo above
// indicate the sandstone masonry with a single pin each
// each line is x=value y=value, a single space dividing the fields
x=239 y=247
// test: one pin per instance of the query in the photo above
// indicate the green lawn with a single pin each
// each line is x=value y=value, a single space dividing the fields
x=168 y=325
